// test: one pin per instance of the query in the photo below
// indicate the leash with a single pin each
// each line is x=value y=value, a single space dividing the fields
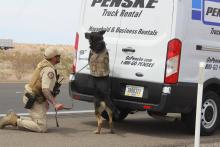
x=57 y=123
x=69 y=108
x=85 y=66
x=65 y=108
x=82 y=68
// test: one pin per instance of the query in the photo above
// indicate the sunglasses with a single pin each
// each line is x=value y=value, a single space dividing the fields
x=57 y=56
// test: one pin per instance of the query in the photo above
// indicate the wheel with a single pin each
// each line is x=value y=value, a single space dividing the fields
x=123 y=114
x=209 y=114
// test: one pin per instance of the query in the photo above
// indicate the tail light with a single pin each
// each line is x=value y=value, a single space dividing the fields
x=147 y=107
x=75 y=52
x=173 y=61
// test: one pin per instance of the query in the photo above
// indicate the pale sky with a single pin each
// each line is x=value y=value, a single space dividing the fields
x=39 y=21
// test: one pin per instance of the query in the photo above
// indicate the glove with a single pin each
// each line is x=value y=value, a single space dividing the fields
x=59 y=106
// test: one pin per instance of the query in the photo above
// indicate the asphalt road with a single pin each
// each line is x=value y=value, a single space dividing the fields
x=76 y=129
x=11 y=98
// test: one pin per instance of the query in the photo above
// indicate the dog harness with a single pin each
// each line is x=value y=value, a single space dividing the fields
x=99 y=63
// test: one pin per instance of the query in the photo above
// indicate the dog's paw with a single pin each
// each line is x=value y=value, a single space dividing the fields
x=96 y=132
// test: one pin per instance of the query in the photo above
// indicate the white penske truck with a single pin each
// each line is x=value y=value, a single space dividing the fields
x=155 y=48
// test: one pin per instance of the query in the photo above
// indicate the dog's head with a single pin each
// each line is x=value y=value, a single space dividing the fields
x=96 y=40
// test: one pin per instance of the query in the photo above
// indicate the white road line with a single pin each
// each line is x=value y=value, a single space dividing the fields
x=18 y=92
x=61 y=112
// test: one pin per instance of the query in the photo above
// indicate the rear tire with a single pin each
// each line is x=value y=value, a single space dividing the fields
x=123 y=114
x=209 y=115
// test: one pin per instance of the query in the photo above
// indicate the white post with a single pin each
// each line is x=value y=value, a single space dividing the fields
x=199 y=104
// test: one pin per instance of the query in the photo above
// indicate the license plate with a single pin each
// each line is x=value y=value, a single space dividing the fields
x=135 y=91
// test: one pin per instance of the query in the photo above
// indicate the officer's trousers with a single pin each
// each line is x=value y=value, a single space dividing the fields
x=37 y=121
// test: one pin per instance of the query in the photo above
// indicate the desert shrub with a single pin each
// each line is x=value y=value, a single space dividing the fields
x=65 y=66
x=34 y=59
x=3 y=56
x=4 y=76
x=23 y=63
x=19 y=62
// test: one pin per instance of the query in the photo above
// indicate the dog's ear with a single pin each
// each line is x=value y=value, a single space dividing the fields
x=87 y=35
x=102 y=32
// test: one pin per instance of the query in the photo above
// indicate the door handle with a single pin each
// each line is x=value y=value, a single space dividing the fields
x=128 y=50
x=138 y=74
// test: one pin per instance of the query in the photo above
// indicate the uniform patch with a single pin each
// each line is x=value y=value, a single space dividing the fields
x=50 y=75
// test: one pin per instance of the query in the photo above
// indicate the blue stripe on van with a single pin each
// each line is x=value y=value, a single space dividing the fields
x=196 y=15
x=196 y=4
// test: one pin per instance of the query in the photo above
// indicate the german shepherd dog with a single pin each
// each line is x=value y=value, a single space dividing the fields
x=102 y=101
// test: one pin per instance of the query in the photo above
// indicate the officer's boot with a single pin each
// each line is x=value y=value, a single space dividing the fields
x=9 y=119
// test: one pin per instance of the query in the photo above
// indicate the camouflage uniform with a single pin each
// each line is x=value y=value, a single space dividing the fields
x=99 y=64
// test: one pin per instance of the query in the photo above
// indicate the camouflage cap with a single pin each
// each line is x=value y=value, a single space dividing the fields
x=51 y=52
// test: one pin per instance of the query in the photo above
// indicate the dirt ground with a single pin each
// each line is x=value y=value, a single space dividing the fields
x=17 y=64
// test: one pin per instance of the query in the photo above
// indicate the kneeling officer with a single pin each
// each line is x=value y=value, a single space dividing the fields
x=39 y=92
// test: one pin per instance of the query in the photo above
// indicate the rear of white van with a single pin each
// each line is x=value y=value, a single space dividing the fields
x=144 y=55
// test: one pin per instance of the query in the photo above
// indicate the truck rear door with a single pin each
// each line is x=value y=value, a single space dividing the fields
x=144 y=33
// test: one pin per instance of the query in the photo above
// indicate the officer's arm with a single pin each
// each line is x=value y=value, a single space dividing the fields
x=48 y=95
x=51 y=99
x=48 y=76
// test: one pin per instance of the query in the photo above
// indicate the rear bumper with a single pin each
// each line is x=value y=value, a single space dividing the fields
x=181 y=99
